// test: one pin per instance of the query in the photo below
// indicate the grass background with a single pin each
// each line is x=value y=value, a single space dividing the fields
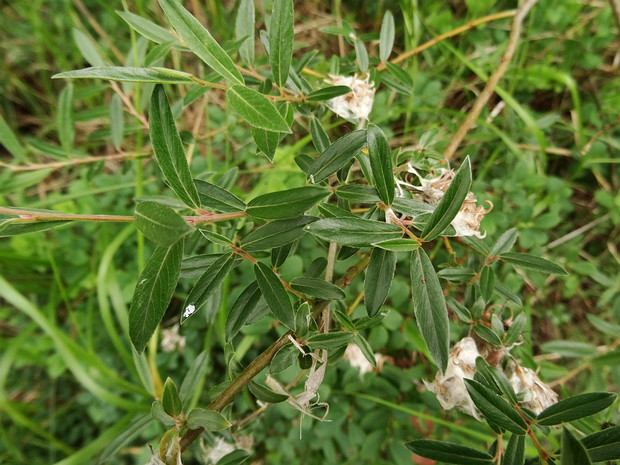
x=548 y=160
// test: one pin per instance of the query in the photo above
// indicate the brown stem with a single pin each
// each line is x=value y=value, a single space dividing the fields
x=492 y=82
x=75 y=161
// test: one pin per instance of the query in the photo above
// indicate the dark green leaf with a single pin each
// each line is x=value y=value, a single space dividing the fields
x=236 y=457
x=449 y=452
x=215 y=197
x=495 y=408
x=329 y=341
x=194 y=376
x=364 y=346
x=159 y=414
x=531 y=262
x=276 y=234
x=381 y=163
x=496 y=379
x=148 y=29
x=379 y=275
x=315 y=287
x=320 y=139
x=242 y=309
x=194 y=267
x=358 y=193
x=281 y=41
x=487 y=334
x=413 y=208
x=129 y=74
x=209 y=420
x=386 y=37
x=354 y=232
x=160 y=224
x=337 y=155
x=153 y=293
x=450 y=204
x=487 y=283
x=505 y=242
x=212 y=236
x=515 y=451
x=256 y=109
x=303 y=319
x=343 y=320
x=332 y=211
x=506 y=293
x=457 y=274
x=397 y=245
x=275 y=294
x=327 y=93
x=170 y=400
x=576 y=407
x=516 y=328
x=280 y=254
x=199 y=41
x=429 y=306
x=244 y=27
x=266 y=141
x=208 y=284
x=573 y=452
x=286 y=204
x=169 y=149
x=459 y=310
x=283 y=359
x=316 y=268
x=604 y=445
x=16 y=226
x=479 y=245
x=401 y=75
x=265 y=394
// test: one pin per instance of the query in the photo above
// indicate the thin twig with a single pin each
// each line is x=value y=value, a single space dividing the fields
x=577 y=232
x=75 y=161
x=494 y=79
x=447 y=35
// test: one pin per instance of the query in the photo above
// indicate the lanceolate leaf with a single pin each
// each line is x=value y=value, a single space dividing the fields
x=209 y=420
x=429 y=306
x=215 y=197
x=515 y=451
x=381 y=163
x=244 y=26
x=531 y=262
x=337 y=155
x=199 y=41
x=153 y=293
x=281 y=40
x=276 y=234
x=358 y=193
x=327 y=93
x=330 y=341
x=242 y=309
x=170 y=399
x=378 y=279
x=148 y=29
x=505 y=242
x=123 y=73
x=386 y=37
x=354 y=232
x=275 y=294
x=207 y=285
x=160 y=224
x=286 y=204
x=256 y=109
x=315 y=287
x=450 y=203
x=603 y=445
x=398 y=245
x=495 y=408
x=576 y=407
x=449 y=453
x=169 y=149
x=320 y=139
x=573 y=452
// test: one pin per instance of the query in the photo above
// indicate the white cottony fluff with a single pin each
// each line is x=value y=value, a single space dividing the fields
x=355 y=105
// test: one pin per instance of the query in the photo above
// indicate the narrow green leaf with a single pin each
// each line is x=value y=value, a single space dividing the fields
x=159 y=414
x=576 y=407
x=603 y=445
x=193 y=378
x=401 y=75
x=531 y=262
x=284 y=358
x=303 y=319
x=286 y=204
x=315 y=287
x=450 y=203
x=209 y=420
x=496 y=380
x=320 y=139
x=505 y=242
x=194 y=267
x=506 y=293
x=265 y=394
x=128 y=74
x=276 y=296
x=87 y=48
x=256 y=109
x=397 y=245
x=358 y=193
x=148 y=29
x=117 y=121
x=495 y=408
x=170 y=400
x=343 y=320
x=393 y=83
x=212 y=196
x=153 y=293
x=429 y=306
x=570 y=349
x=332 y=211
x=266 y=141
x=515 y=451
x=366 y=349
x=449 y=453
x=459 y=310
x=487 y=334
x=169 y=149
x=386 y=36
x=65 y=120
x=327 y=93
x=16 y=226
x=208 y=284
x=199 y=41
x=160 y=224
x=487 y=283
x=354 y=232
x=573 y=452
x=276 y=234
x=362 y=55
x=316 y=268
x=381 y=163
x=337 y=155
x=457 y=274
x=241 y=309
x=330 y=341
x=379 y=275
x=9 y=140
x=280 y=254
x=236 y=457
x=244 y=27
x=516 y=329
x=281 y=41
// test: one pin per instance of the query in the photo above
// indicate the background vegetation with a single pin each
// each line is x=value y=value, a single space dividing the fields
x=545 y=154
